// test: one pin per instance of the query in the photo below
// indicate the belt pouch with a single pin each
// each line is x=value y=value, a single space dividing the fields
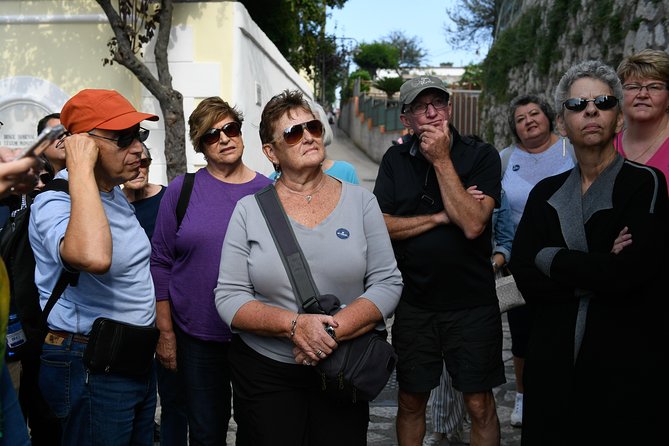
x=120 y=348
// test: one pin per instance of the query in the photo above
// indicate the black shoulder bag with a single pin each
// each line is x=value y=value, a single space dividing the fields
x=357 y=369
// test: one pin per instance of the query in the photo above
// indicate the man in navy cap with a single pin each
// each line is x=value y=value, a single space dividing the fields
x=442 y=241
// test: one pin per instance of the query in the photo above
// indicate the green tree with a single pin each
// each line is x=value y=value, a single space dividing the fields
x=389 y=85
x=473 y=23
x=410 y=52
x=372 y=56
x=472 y=77
x=333 y=69
x=365 y=80
x=134 y=24
x=297 y=28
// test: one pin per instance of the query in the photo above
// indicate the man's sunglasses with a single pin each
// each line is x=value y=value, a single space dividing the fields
x=601 y=102
x=294 y=134
x=124 y=139
x=231 y=130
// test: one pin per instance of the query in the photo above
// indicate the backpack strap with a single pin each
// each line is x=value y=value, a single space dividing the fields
x=66 y=277
x=59 y=185
x=184 y=197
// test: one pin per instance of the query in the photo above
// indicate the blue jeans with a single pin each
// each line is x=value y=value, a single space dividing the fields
x=204 y=372
x=173 y=420
x=14 y=430
x=96 y=409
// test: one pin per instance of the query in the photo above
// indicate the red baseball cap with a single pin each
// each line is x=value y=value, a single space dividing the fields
x=100 y=109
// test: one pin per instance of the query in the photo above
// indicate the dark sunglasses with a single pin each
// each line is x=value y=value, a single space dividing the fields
x=294 y=134
x=231 y=130
x=601 y=102
x=144 y=162
x=45 y=177
x=124 y=139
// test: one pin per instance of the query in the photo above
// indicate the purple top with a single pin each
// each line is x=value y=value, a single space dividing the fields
x=185 y=263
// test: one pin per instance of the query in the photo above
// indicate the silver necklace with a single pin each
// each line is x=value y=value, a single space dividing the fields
x=308 y=196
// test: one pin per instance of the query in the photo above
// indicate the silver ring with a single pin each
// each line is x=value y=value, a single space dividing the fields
x=319 y=353
x=306 y=362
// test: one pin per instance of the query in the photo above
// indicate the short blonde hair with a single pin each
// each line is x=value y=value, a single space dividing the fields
x=646 y=64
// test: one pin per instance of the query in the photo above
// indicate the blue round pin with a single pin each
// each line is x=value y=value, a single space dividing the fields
x=343 y=233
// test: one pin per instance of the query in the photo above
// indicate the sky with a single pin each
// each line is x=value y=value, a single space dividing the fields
x=369 y=20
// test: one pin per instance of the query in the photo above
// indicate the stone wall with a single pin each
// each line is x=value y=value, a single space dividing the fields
x=549 y=36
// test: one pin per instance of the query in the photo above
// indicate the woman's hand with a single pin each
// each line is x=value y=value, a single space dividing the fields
x=166 y=350
x=312 y=342
x=623 y=239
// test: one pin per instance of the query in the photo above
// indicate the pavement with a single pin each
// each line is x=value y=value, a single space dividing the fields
x=342 y=148
x=384 y=409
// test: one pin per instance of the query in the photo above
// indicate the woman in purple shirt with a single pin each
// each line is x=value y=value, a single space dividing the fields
x=194 y=340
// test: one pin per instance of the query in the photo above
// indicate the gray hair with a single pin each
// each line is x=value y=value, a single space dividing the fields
x=594 y=69
x=319 y=112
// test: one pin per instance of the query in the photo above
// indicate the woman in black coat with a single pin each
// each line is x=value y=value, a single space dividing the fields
x=590 y=257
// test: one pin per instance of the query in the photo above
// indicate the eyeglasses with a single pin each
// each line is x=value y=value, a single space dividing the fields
x=601 y=102
x=123 y=140
x=294 y=134
x=653 y=88
x=144 y=162
x=421 y=107
x=231 y=130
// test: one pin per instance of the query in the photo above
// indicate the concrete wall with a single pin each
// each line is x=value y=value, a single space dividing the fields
x=52 y=49
x=374 y=141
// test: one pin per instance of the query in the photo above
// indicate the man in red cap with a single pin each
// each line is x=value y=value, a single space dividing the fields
x=92 y=231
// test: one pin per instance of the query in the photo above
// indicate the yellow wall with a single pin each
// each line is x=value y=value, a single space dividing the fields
x=69 y=55
x=212 y=27
x=215 y=50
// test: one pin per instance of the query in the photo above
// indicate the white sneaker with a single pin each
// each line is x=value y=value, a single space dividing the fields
x=517 y=414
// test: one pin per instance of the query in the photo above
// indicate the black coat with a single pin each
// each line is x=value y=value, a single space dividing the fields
x=615 y=391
